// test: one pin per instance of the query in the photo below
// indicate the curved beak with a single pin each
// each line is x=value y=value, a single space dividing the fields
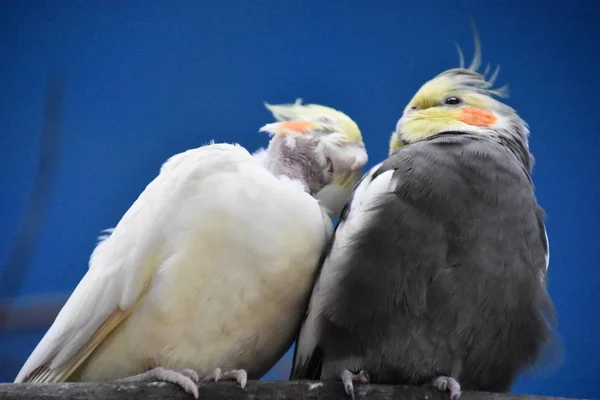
x=347 y=164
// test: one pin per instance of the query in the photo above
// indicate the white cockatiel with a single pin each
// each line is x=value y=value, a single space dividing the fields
x=211 y=267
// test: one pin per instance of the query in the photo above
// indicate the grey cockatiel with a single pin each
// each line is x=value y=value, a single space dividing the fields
x=436 y=273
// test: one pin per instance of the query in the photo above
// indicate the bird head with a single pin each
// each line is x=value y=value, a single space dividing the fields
x=334 y=138
x=324 y=140
x=462 y=100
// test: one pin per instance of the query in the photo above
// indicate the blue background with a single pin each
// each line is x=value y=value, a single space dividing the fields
x=147 y=79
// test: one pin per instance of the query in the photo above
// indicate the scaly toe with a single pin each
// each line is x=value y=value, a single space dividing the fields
x=440 y=384
x=347 y=382
x=240 y=375
x=362 y=377
x=445 y=383
x=166 y=375
x=190 y=373
x=348 y=379
x=455 y=396
x=216 y=375
x=349 y=389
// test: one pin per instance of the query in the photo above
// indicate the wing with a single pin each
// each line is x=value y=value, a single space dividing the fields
x=307 y=354
x=122 y=266
x=545 y=242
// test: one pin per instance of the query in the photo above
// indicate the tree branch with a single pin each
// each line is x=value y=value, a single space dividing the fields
x=267 y=390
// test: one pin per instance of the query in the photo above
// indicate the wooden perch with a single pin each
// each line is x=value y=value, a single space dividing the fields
x=255 y=390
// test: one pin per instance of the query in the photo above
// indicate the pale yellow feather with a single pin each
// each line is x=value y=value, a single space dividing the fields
x=286 y=112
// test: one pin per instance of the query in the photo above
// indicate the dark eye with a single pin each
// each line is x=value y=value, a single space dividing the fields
x=452 y=101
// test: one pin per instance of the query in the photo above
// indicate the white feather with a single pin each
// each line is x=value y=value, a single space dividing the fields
x=366 y=193
x=261 y=156
x=212 y=263
x=547 y=253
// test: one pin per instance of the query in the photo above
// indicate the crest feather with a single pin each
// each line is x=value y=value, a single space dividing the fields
x=318 y=113
x=469 y=78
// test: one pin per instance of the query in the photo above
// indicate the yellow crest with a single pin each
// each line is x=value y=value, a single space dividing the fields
x=318 y=113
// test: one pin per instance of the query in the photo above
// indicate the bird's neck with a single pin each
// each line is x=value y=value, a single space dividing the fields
x=294 y=172
x=283 y=160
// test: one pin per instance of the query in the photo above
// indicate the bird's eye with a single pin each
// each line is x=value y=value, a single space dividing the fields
x=452 y=101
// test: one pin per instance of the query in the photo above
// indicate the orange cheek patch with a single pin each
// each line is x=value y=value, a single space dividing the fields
x=296 y=126
x=477 y=117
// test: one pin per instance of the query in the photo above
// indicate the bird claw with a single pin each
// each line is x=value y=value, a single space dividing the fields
x=190 y=373
x=239 y=375
x=348 y=379
x=216 y=375
x=446 y=383
x=185 y=378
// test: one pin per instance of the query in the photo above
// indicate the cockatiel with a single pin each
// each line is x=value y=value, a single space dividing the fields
x=210 y=268
x=436 y=273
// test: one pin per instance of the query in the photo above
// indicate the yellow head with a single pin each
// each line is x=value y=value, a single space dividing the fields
x=341 y=141
x=460 y=100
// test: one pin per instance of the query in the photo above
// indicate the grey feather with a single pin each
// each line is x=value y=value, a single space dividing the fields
x=305 y=351
x=444 y=277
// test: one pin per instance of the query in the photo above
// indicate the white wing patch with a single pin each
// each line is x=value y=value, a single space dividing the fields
x=359 y=193
x=359 y=215
x=365 y=194
x=547 y=248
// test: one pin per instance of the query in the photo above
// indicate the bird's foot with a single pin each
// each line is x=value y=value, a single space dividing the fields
x=239 y=375
x=348 y=379
x=185 y=378
x=445 y=383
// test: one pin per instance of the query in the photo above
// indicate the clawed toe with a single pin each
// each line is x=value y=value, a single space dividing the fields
x=185 y=379
x=446 y=383
x=239 y=375
x=190 y=373
x=348 y=380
